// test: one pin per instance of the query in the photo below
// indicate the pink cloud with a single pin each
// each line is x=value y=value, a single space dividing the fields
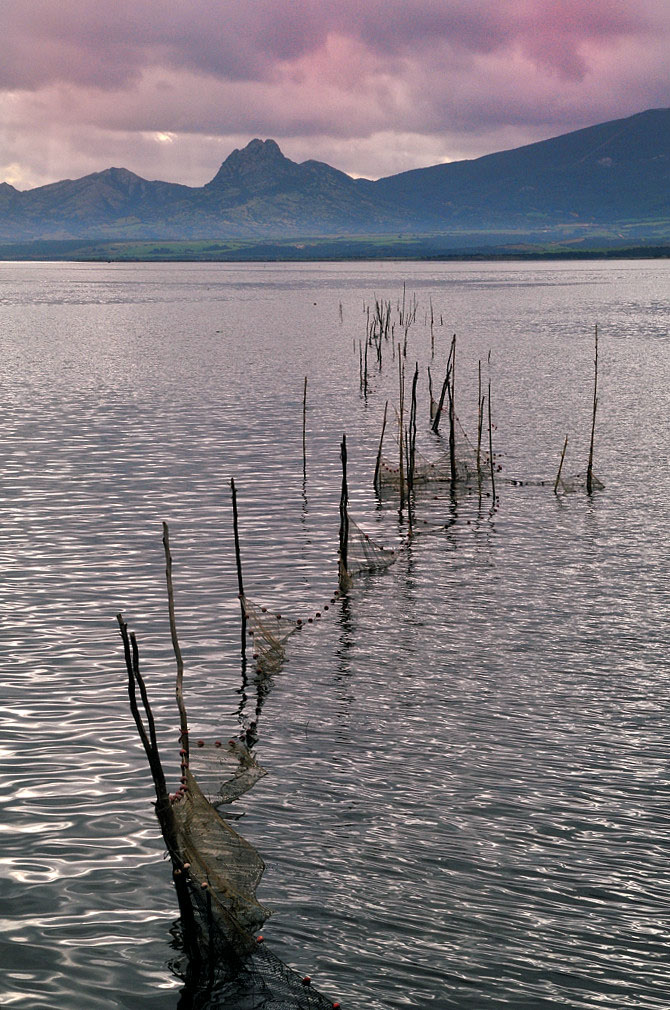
x=448 y=78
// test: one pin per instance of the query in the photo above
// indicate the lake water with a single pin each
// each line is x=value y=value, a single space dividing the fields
x=468 y=794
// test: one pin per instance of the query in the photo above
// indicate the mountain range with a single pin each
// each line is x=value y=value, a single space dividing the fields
x=610 y=179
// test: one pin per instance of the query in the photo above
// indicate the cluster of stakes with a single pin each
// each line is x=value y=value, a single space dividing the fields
x=215 y=870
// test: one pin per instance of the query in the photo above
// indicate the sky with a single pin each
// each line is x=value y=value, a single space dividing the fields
x=168 y=88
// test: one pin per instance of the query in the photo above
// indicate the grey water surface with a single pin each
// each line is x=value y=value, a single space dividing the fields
x=468 y=794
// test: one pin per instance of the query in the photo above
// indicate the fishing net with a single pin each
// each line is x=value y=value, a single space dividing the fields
x=269 y=632
x=365 y=554
x=224 y=772
x=426 y=470
x=578 y=482
x=260 y=981
x=223 y=869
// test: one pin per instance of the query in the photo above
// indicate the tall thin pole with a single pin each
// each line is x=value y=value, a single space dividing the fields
x=411 y=448
x=304 y=421
x=344 y=516
x=238 y=561
x=480 y=419
x=175 y=644
x=365 y=369
x=452 y=412
x=445 y=387
x=589 y=469
x=493 y=480
x=560 y=466
x=164 y=811
x=401 y=422
x=379 y=450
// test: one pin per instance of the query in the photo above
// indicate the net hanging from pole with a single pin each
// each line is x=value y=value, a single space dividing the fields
x=439 y=469
x=223 y=869
x=269 y=633
x=224 y=771
x=260 y=982
x=578 y=482
x=216 y=871
x=365 y=554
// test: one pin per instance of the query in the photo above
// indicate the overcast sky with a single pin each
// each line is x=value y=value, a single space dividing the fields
x=167 y=88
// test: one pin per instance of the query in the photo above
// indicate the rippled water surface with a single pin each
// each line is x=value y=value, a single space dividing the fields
x=468 y=794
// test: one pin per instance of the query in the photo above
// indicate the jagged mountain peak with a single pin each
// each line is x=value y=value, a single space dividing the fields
x=260 y=158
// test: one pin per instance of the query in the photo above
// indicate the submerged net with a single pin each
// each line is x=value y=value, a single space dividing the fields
x=261 y=981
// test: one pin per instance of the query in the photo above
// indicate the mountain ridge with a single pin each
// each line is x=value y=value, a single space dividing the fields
x=611 y=175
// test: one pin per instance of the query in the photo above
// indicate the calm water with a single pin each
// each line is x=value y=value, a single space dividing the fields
x=468 y=796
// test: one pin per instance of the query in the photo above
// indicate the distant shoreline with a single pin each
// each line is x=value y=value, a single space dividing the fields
x=315 y=250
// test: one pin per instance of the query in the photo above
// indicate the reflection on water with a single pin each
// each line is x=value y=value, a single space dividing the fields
x=467 y=798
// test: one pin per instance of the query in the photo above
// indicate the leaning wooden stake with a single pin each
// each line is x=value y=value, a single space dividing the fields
x=164 y=811
x=238 y=561
x=589 y=469
x=445 y=386
x=378 y=464
x=147 y=736
x=560 y=466
x=344 y=519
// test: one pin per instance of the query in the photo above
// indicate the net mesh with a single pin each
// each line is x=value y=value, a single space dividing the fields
x=364 y=553
x=261 y=981
x=269 y=632
x=439 y=469
x=223 y=869
x=224 y=771
x=578 y=482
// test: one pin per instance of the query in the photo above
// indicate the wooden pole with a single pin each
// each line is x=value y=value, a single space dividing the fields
x=432 y=405
x=148 y=737
x=401 y=422
x=164 y=811
x=445 y=387
x=238 y=562
x=411 y=447
x=304 y=421
x=344 y=517
x=589 y=469
x=493 y=480
x=560 y=466
x=175 y=644
x=365 y=370
x=379 y=450
x=452 y=412
x=480 y=420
